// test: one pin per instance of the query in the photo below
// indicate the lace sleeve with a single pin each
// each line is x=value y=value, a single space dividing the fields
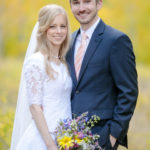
x=34 y=82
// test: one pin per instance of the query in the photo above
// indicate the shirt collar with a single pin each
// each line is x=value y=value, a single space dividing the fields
x=90 y=31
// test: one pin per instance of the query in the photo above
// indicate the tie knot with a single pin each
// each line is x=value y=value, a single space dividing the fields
x=84 y=37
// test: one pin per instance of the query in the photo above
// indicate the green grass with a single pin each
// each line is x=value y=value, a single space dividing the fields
x=10 y=72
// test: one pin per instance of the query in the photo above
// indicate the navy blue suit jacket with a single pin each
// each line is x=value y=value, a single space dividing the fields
x=107 y=84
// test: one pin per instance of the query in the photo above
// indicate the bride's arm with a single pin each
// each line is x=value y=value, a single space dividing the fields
x=41 y=124
x=34 y=77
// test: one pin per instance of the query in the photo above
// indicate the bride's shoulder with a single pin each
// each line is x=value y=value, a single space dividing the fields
x=36 y=59
x=38 y=56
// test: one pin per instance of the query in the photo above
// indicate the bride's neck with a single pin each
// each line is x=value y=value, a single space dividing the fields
x=55 y=51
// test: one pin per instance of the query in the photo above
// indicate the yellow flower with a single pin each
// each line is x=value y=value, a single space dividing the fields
x=85 y=139
x=65 y=142
x=77 y=139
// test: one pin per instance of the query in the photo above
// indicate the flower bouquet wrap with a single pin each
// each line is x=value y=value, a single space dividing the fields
x=76 y=134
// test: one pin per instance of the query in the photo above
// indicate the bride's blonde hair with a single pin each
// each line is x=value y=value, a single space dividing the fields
x=46 y=15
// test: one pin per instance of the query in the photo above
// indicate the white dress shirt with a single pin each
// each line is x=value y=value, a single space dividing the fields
x=89 y=33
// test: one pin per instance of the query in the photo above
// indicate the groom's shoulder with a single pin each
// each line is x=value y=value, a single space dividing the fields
x=113 y=33
x=73 y=35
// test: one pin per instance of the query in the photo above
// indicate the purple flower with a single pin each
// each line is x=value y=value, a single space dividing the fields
x=80 y=135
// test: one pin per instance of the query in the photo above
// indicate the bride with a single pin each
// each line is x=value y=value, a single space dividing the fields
x=44 y=94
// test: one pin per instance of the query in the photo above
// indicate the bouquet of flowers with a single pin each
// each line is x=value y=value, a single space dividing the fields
x=76 y=134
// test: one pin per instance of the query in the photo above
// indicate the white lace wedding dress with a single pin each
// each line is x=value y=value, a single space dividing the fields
x=52 y=95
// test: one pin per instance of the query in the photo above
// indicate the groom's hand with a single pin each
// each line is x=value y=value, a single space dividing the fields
x=112 y=140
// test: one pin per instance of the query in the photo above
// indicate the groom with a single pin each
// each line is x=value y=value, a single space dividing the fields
x=102 y=66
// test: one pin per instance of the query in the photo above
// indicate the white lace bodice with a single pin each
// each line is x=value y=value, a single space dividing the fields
x=52 y=95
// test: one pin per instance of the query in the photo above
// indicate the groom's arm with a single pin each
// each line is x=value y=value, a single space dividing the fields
x=122 y=62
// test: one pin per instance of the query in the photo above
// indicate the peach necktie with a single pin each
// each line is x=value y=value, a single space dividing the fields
x=79 y=55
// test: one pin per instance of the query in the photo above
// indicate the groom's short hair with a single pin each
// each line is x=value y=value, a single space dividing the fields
x=75 y=0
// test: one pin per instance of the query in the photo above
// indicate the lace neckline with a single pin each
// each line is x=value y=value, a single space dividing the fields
x=58 y=65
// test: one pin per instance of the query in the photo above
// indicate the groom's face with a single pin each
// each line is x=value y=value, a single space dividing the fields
x=85 y=11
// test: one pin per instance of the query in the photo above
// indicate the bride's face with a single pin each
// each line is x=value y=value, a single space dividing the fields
x=57 y=32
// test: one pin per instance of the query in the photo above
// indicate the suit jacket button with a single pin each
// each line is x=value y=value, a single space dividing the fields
x=77 y=92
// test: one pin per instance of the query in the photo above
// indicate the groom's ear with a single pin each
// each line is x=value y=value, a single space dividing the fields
x=99 y=4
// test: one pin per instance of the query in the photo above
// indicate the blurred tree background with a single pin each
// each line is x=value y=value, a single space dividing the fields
x=17 y=19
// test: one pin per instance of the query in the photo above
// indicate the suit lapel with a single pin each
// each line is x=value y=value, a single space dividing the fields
x=73 y=74
x=94 y=42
